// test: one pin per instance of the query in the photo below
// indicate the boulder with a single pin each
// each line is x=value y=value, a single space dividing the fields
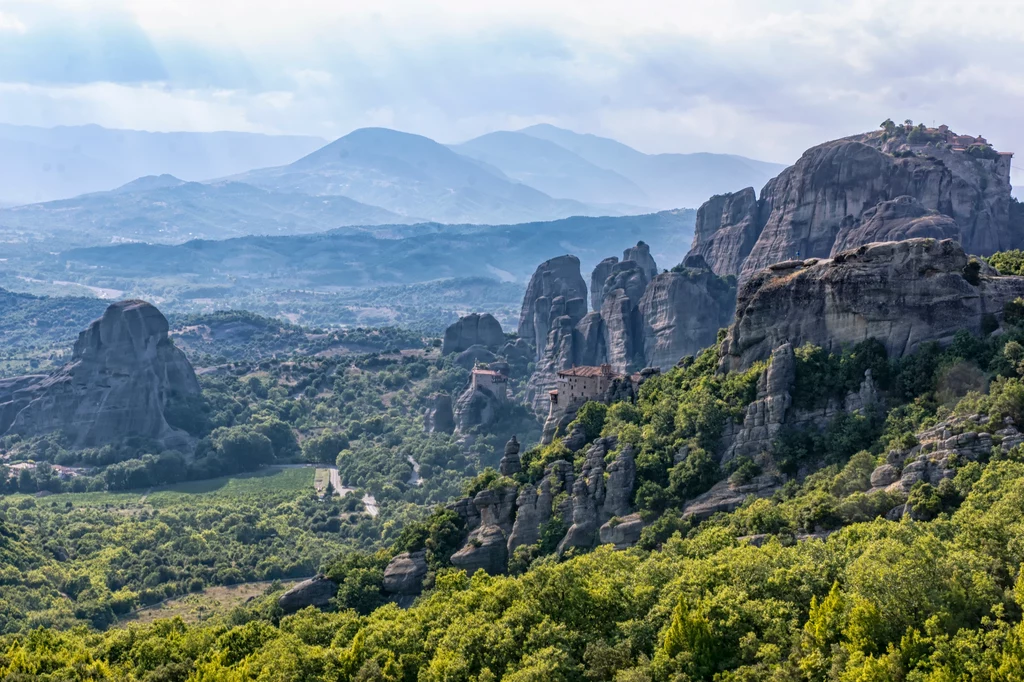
x=440 y=418
x=405 y=573
x=884 y=475
x=902 y=293
x=475 y=329
x=124 y=371
x=316 y=591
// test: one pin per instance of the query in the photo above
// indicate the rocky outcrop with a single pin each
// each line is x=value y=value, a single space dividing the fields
x=589 y=493
x=477 y=406
x=510 y=464
x=726 y=229
x=641 y=255
x=475 y=329
x=405 y=573
x=765 y=416
x=558 y=277
x=473 y=356
x=316 y=591
x=124 y=371
x=681 y=312
x=619 y=485
x=440 y=418
x=487 y=546
x=600 y=275
x=901 y=293
x=849 y=192
x=727 y=496
x=622 y=532
x=563 y=348
x=895 y=220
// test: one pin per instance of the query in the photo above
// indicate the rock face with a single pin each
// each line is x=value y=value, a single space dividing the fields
x=902 y=293
x=123 y=372
x=853 y=191
x=767 y=414
x=440 y=418
x=487 y=546
x=681 y=313
x=475 y=329
x=600 y=275
x=892 y=221
x=316 y=592
x=726 y=230
x=477 y=406
x=558 y=277
x=405 y=573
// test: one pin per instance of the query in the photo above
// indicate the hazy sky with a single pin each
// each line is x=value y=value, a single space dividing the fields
x=766 y=79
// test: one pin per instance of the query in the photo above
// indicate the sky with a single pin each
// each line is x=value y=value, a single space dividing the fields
x=765 y=79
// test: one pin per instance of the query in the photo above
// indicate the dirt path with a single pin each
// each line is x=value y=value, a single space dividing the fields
x=414 y=477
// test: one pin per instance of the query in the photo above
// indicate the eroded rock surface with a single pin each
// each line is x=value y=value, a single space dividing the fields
x=901 y=293
x=861 y=189
x=124 y=371
x=316 y=591
x=476 y=329
x=405 y=573
x=558 y=277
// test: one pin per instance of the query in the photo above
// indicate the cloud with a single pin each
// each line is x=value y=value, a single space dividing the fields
x=10 y=24
x=756 y=78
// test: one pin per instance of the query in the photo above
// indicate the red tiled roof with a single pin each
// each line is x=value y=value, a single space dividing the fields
x=488 y=372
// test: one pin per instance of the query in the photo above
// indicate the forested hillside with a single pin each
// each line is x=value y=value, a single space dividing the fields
x=831 y=576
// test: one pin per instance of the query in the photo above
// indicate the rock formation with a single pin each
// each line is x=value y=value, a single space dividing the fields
x=597 y=280
x=123 y=372
x=487 y=546
x=475 y=329
x=478 y=405
x=892 y=221
x=726 y=230
x=681 y=313
x=902 y=293
x=316 y=591
x=473 y=356
x=558 y=277
x=641 y=255
x=404 y=574
x=510 y=463
x=856 y=190
x=440 y=418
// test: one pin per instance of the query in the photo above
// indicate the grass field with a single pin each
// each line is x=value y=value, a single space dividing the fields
x=270 y=482
x=211 y=602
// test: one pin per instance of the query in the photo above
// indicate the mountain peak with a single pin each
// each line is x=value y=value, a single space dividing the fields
x=148 y=182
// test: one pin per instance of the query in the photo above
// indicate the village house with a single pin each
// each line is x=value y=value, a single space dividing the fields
x=495 y=382
x=577 y=385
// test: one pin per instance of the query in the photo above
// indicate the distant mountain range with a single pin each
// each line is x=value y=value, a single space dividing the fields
x=353 y=257
x=539 y=173
x=42 y=164
x=668 y=180
x=165 y=209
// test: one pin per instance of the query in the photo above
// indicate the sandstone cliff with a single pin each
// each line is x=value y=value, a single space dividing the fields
x=835 y=197
x=902 y=293
x=123 y=371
